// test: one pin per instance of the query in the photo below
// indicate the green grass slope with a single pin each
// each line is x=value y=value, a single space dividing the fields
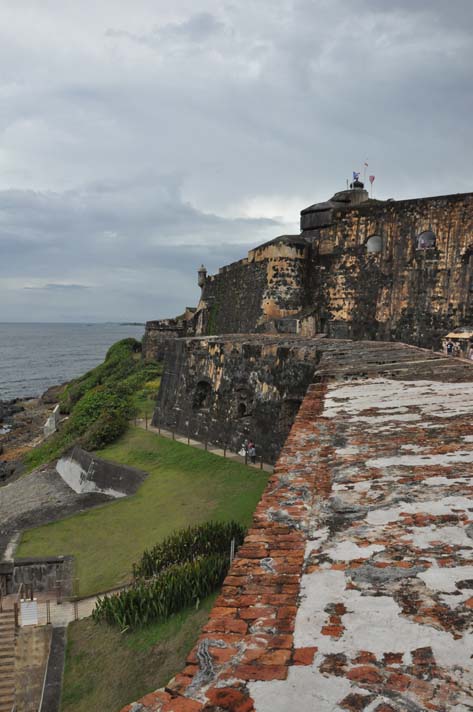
x=185 y=486
x=106 y=670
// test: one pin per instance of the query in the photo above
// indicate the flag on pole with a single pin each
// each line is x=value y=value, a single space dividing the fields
x=366 y=164
x=355 y=175
x=372 y=179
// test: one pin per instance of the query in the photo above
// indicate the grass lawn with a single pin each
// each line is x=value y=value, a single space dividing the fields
x=106 y=670
x=185 y=486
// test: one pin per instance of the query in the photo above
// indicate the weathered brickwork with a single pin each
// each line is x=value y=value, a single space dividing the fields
x=353 y=589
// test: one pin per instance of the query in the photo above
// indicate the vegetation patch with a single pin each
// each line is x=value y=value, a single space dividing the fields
x=101 y=402
x=187 y=545
x=185 y=486
x=106 y=669
x=178 y=572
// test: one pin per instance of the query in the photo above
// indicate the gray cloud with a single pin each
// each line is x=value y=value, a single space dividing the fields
x=196 y=29
x=60 y=287
x=138 y=142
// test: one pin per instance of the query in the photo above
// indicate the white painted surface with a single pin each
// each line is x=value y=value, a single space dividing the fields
x=29 y=612
x=381 y=490
x=80 y=480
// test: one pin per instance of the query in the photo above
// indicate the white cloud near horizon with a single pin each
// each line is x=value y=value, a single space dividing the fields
x=139 y=139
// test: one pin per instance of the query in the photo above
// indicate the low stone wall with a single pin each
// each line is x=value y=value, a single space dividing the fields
x=44 y=573
x=87 y=473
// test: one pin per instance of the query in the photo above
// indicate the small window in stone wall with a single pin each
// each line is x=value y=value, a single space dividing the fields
x=374 y=244
x=426 y=240
x=202 y=395
x=241 y=410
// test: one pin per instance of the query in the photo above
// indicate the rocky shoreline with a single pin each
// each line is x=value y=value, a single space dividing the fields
x=21 y=428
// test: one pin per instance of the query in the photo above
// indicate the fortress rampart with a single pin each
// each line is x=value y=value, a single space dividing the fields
x=352 y=589
x=359 y=269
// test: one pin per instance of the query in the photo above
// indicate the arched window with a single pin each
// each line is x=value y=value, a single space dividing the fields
x=202 y=395
x=426 y=240
x=374 y=244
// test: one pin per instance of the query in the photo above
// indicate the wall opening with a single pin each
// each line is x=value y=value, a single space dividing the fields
x=288 y=412
x=202 y=395
x=374 y=244
x=241 y=410
x=426 y=240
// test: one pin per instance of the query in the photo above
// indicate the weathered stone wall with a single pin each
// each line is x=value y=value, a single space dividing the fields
x=156 y=335
x=226 y=389
x=329 y=275
x=270 y=283
x=400 y=293
x=352 y=589
x=44 y=574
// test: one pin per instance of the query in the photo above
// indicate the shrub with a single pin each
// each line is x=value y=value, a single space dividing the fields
x=99 y=403
x=188 y=544
x=177 y=587
x=180 y=571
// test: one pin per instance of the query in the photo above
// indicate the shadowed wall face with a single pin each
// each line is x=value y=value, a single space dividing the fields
x=227 y=389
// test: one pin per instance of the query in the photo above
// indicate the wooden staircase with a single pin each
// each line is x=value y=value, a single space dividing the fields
x=7 y=661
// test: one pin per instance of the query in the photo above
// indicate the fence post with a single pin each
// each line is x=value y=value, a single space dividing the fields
x=58 y=593
x=48 y=612
x=76 y=610
x=173 y=434
x=246 y=457
x=15 y=610
x=232 y=550
x=188 y=431
x=225 y=450
x=261 y=463
x=146 y=419
x=206 y=442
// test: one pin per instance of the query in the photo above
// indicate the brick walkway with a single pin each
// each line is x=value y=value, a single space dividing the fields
x=353 y=588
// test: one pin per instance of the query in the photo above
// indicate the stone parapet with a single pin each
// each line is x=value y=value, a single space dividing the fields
x=352 y=589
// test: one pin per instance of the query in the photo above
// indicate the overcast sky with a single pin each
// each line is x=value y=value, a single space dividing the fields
x=139 y=139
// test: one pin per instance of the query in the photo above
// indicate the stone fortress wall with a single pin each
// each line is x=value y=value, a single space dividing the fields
x=361 y=268
x=353 y=588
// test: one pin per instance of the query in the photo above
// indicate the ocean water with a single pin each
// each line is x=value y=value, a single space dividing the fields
x=34 y=357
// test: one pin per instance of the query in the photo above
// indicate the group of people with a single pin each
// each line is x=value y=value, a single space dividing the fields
x=454 y=349
x=248 y=449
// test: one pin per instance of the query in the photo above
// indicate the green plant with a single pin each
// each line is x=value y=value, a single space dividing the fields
x=177 y=587
x=101 y=402
x=188 y=544
x=179 y=571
